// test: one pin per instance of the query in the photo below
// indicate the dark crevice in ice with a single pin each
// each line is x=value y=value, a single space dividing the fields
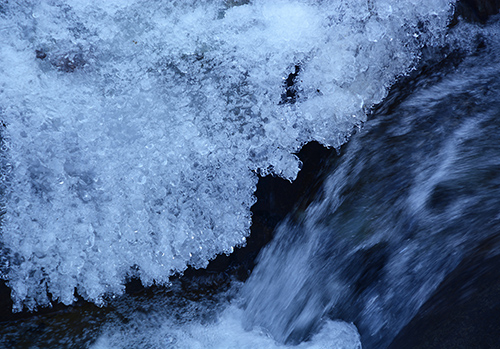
x=65 y=62
x=291 y=90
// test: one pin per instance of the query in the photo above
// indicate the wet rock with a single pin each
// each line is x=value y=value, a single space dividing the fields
x=276 y=198
x=476 y=10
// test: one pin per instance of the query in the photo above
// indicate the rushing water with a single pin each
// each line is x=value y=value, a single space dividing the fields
x=415 y=192
x=133 y=134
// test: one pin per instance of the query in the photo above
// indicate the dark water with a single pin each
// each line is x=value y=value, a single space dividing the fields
x=416 y=191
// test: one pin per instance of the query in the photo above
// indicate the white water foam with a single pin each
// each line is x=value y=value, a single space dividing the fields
x=227 y=332
x=135 y=129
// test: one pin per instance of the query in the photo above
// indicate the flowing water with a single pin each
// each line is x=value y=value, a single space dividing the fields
x=133 y=136
x=415 y=192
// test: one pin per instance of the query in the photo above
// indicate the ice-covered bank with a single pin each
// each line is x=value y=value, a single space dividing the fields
x=134 y=130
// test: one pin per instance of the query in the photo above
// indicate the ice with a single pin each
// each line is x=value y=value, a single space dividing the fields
x=135 y=129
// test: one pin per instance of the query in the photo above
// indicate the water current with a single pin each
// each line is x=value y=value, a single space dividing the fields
x=415 y=191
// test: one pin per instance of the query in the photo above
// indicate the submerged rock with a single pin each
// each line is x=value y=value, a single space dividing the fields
x=464 y=311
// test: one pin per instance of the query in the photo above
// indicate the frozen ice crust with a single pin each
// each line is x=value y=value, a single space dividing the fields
x=134 y=131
